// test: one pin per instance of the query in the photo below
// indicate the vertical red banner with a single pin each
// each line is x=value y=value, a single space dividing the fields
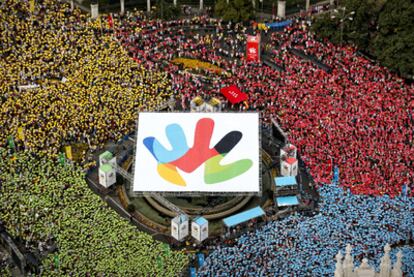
x=253 y=48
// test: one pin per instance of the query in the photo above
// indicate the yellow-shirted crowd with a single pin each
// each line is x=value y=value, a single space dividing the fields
x=87 y=88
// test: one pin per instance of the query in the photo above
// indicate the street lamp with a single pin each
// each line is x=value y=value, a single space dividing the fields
x=261 y=14
x=343 y=16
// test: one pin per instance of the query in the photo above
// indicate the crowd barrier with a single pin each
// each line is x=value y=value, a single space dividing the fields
x=267 y=61
x=312 y=59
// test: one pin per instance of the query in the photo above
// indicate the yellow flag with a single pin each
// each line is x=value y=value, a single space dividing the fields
x=32 y=6
x=20 y=133
x=68 y=152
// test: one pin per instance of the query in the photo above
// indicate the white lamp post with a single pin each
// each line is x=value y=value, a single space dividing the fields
x=342 y=17
x=281 y=9
x=122 y=6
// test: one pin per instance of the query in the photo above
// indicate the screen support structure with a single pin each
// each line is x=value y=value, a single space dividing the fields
x=156 y=196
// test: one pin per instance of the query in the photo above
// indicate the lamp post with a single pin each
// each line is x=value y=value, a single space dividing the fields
x=122 y=6
x=261 y=14
x=262 y=6
x=281 y=9
x=343 y=16
x=94 y=9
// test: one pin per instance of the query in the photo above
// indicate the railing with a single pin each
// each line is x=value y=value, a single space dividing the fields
x=165 y=203
x=18 y=258
x=124 y=174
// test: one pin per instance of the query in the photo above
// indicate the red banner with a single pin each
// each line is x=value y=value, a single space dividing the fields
x=253 y=48
x=233 y=94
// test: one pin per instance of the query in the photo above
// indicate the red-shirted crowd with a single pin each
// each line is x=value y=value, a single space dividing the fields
x=358 y=117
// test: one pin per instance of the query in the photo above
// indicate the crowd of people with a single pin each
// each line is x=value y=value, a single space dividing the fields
x=66 y=79
x=153 y=43
x=358 y=116
x=84 y=88
x=52 y=211
x=306 y=246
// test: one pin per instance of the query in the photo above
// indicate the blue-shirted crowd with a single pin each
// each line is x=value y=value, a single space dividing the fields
x=306 y=246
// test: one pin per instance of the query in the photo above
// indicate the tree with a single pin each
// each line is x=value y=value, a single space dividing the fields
x=363 y=21
x=235 y=10
x=384 y=29
x=393 y=44
x=358 y=19
x=325 y=27
x=167 y=11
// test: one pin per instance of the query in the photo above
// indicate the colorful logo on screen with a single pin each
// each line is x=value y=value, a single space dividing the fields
x=189 y=159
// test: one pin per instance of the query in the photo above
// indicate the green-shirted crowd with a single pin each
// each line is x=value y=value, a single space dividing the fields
x=64 y=80
x=42 y=201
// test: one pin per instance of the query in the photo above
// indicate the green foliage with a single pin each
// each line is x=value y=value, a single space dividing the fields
x=167 y=11
x=326 y=28
x=382 y=28
x=363 y=22
x=5 y=272
x=358 y=19
x=41 y=199
x=235 y=10
x=394 y=42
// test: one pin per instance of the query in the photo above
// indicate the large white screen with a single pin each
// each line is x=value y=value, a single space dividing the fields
x=230 y=166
